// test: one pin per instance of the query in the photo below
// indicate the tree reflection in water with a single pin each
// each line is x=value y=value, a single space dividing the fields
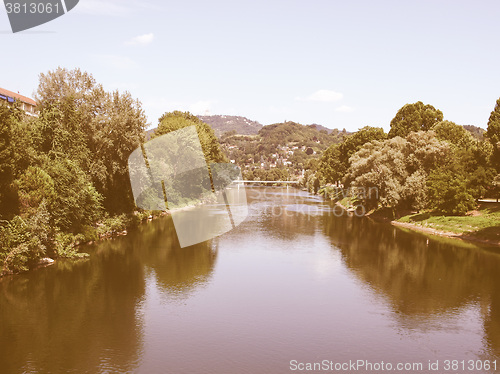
x=95 y=303
x=422 y=277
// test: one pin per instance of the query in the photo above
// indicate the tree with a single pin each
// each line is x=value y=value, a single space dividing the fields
x=455 y=134
x=414 y=117
x=397 y=168
x=448 y=192
x=96 y=129
x=473 y=157
x=493 y=131
x=493 y=134
x=177 y=120
x=332 y=164
x=335 y=161
x=8 y=120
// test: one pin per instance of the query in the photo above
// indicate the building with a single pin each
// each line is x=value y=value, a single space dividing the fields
x=27 y=104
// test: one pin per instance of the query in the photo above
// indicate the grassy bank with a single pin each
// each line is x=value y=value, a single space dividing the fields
x=482 y=224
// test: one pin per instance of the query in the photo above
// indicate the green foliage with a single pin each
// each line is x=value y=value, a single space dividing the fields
x=65 y=245
x=177 y=120
x=291 y=132
x=397 y=168
x=95 y=129
x=455 y=134
x=35 y=186
x=231 y=124
x=474 y=157
x=114 y=224
x=448 y=192
x=335 y=160
x=288 y=145
x=24 y=242
x=61 y=171
x=493 y=134
x=446 y=169
x=480 y=182
x=414 y=117
x=7 y=194
x=493 y=131
x=76 y=202
x=274 y=174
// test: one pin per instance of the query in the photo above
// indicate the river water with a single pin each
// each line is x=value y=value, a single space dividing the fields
x=293 y=284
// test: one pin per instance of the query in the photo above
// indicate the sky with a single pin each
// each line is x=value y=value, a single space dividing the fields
x=341 y=64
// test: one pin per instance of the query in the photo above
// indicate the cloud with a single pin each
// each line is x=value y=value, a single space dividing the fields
x=141 y=39
x=201 y=107
x=344 y=109
x=116 y=61
x=323 y=96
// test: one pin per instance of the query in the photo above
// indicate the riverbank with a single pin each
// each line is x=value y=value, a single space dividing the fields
x=67 y=245
x=481 y=225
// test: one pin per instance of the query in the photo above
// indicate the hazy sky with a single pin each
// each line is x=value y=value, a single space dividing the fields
x=344 y=64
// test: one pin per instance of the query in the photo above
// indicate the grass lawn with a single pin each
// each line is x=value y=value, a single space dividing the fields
x=482 y=223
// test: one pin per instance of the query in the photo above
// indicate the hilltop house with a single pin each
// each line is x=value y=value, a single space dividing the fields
x=27 y=104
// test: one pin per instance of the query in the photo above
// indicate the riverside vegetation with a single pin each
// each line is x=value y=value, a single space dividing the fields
x=63 y=173
x=427 y=171
x=64 y=177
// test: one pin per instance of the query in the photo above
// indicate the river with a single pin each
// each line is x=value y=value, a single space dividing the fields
x=293 y=284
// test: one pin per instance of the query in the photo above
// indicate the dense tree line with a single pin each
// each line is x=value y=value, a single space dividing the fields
x=64 y=173
x=423 y=162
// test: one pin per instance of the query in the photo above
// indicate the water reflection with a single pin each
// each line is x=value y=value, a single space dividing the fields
x=292 y=282
x=86 y=316
x=423 y=278
x=178 y=271
x=44 y=313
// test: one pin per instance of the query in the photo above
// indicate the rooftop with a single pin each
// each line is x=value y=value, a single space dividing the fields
x=14 y=95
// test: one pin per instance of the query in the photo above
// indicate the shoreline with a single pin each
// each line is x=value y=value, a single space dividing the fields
x=110 y=234
x=446 y=234
x=428 y=230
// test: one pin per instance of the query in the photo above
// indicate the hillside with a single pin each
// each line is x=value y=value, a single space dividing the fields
x=279 y=151
x=240 y=125
x=292 y=132
x=320 y=127
x=477 y=132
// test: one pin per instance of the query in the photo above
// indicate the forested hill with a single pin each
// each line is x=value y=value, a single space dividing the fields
x=292 y=132
x=279 y=151
x=476 y=132
x=240 y=125
x=320 y=127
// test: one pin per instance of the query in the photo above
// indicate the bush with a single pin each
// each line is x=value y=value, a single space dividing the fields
x=24 y=243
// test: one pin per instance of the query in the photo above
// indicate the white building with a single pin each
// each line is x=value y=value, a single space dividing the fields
x=27 y=104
